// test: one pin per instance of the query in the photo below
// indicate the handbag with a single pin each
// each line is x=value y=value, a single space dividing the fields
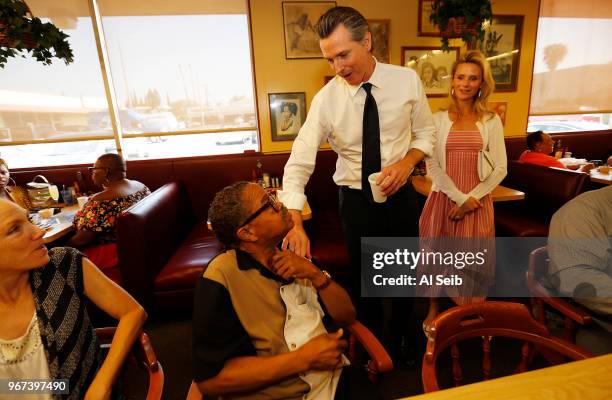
x=19 y=195
x=485 y=164
x=42 y=194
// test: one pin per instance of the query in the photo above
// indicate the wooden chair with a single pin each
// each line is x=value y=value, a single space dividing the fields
x=486 y=320
x=143 y=356
x=574 y=314
x=379 y=362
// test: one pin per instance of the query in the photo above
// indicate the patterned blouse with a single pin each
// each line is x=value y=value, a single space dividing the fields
x=101 y=216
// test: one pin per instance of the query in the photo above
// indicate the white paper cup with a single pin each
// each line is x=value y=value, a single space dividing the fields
x=46 y=213
x=377 y=194
x=82 y=200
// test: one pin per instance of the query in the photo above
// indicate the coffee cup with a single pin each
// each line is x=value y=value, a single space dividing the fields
x=45 y=213
x=82 y=200
x=377 y=194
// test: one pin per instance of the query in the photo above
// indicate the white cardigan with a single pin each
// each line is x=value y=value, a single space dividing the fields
x=492 y=133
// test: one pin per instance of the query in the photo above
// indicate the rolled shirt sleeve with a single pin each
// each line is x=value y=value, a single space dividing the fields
x=423 y=128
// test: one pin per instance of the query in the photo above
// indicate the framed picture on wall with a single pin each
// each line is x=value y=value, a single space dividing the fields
x=380 y=38
x=433 y=66
x=299 y=19
x=502 y=46
x=287 y=114
x=424 y=26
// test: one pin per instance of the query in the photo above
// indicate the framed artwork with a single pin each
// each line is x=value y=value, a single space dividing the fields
x=433 y=66
x=380 y=38
x=287 y=114
x=500 y=108
x=424 y=26
x=502 y=46
x=299 y=18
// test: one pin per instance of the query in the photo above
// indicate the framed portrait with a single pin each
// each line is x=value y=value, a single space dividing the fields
x=424 y=26
x=500 y=108
x=433 y=67
x=287 y=114
x=380 y=38
x=502 y=46
x=299 y=19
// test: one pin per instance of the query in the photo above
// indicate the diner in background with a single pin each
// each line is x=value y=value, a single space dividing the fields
x=95 y=222
x=46 y=332
x=5 y=175
x=460 y=203
x=539 y=147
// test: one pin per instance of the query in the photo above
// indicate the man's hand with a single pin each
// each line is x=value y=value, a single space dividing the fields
x=289 y=265
x=297 y=239
x=324 y=352
x=393 y=177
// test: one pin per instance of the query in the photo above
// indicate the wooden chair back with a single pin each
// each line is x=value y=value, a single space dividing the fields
x=573 y=314
x=143 y=356
x=487 y=320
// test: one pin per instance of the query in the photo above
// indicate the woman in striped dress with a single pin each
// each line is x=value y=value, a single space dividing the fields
x=458 y=214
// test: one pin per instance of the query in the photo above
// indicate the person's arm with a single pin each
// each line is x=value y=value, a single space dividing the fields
x=437 y=173
x=289 y=265
x=497 y=150
x=82 y=238
x=297 y=172
x=323 y=352
x=116 y=302
x=393 y=177
x=86 y=223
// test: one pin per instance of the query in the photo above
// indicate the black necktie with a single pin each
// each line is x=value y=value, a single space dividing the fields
x=370 y=154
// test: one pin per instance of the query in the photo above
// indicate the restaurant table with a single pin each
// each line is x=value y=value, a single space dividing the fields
x=598 y=177
x=422 y=184
x=61 y=224
x=589 y=379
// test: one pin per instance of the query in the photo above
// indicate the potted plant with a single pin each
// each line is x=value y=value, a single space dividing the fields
x=460 y=19
x=21 y=32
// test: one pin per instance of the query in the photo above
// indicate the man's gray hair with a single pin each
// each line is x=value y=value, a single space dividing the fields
x=226 y=213
x=352 y=20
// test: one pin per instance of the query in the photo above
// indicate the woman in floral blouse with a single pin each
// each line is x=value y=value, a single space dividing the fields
x=95 y=222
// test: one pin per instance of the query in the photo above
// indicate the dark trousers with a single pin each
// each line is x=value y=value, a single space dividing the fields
x=387 y=318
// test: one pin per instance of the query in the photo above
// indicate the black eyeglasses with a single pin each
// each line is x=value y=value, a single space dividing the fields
x=271 y=201
x=92 y=169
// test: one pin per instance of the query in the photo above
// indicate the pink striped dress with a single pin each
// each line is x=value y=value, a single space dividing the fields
x=476 y=229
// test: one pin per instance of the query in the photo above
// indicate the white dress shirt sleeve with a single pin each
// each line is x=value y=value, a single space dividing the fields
x=422 y=126
x=301 y=163
x=497 y=150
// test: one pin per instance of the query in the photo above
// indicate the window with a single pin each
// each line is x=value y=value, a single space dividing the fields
x=180 y=71
x=571 y=86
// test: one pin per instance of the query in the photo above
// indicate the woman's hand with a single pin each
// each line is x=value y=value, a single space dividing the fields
x=456 y=214
x=468 y=206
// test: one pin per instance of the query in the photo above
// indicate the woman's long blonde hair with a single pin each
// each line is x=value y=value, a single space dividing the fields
x=486 y=88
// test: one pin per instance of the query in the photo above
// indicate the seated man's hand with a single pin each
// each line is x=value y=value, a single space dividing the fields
x=289 y=265
x=324 y=352
x=297 y=239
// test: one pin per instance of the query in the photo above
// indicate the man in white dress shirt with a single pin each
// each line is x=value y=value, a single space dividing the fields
x=407 y=135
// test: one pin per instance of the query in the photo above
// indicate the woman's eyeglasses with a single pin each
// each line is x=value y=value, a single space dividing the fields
x=271 y=201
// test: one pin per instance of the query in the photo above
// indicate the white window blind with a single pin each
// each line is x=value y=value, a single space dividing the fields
x=573 y=59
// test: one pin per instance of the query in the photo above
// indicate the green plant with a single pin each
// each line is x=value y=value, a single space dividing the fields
x=460 y=18
x=20 y=32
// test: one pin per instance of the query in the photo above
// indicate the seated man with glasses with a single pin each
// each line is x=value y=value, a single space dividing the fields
x=258 y=312
x=95 y=222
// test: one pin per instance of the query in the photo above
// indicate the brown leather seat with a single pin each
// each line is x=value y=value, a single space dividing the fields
x=546 y=190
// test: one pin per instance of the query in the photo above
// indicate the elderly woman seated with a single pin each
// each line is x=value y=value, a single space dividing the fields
x=45 y=331
x=540 y=145
x=4 y=180
x=95 y=222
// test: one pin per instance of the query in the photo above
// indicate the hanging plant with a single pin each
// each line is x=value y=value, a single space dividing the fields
x=21 y=33
x=460 y=19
